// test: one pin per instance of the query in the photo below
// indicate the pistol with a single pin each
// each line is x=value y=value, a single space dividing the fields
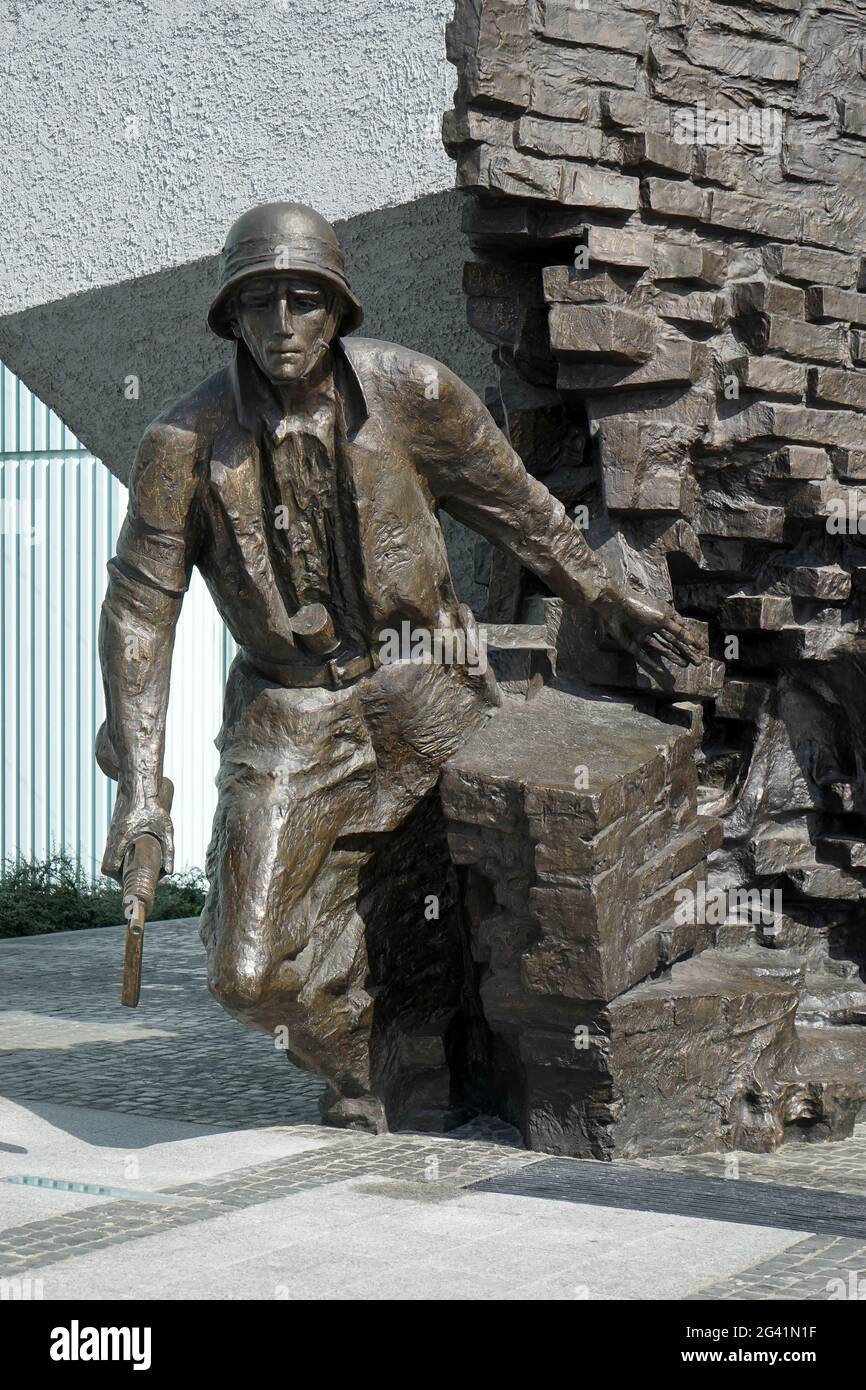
x=141 y=870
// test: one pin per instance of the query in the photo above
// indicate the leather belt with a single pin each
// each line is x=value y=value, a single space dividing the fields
x=332 y=674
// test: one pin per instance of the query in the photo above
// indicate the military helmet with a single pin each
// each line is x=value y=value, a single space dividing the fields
x=282 y=239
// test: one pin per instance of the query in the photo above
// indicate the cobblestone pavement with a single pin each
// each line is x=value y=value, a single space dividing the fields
x=836 y=1167
x=65 y=1034
x=819 y=1269
x=431 y=1168
x=64 y=1037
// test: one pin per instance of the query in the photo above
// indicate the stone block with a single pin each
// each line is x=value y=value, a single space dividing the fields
x=701 y=308
x=767 y=297
x=739 y=212
x=828 y=302
x=852 y=116
x=586 y=187
x=563 y=284
x=596 y=25
x=621 y=246
x=829 y=387
x=799 y=461
x=776 y=333
x=671 y=198
x=651 y=150
x=559 y=75
x=806 y=265
x=743 y=56
x=673 y=1066
x=828 y=428
x=623 y=110
x=850 y=464
x=562 y=140
x=675 y=362
x=602 y=332
x=768 y=376
x=767 y=612
x=675 y=260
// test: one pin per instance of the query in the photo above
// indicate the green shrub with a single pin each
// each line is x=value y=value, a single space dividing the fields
x=54 y=894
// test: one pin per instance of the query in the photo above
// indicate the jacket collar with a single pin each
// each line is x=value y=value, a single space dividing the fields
x=255 y=403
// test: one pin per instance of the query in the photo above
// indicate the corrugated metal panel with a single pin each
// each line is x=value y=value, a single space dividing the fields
x=61 y=513
x=59 y=523
x=27 y=426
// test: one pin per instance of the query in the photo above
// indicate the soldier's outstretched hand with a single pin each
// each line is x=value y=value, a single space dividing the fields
x=640 y=624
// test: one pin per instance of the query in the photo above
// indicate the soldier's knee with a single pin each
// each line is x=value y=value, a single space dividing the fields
x=239 y=990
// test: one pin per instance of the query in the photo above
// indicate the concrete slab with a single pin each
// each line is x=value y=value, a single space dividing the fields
x=133 y=1153
x=178 y=1099
x=342 y=1243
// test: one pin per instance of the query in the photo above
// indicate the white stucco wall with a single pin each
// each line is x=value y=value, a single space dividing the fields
x=134 y=131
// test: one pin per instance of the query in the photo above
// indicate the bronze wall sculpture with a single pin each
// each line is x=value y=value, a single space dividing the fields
x=304 y=482
x=667 y=205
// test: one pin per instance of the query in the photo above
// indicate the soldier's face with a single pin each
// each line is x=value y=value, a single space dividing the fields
x=285 y=321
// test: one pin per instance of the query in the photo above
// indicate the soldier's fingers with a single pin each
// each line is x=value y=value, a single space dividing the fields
x=679 y=632
x=679 y=635
x=666 y=647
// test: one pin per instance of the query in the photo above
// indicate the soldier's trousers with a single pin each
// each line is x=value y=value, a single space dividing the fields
x=332 y=919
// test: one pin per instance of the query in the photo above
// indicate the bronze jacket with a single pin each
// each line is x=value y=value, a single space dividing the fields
x=410 y=436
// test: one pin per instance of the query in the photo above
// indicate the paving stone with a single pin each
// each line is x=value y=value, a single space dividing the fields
x=91 y=1051
x=60 y=988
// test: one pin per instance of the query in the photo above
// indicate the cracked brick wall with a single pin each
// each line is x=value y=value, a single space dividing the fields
x=666 y=204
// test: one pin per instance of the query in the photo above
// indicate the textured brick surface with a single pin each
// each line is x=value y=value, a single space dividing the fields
x=700 y=380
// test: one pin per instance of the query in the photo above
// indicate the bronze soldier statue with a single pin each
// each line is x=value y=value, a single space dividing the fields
x=304 y=481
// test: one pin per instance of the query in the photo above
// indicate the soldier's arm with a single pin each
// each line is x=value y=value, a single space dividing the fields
x=146 y=581
x=476 y=475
